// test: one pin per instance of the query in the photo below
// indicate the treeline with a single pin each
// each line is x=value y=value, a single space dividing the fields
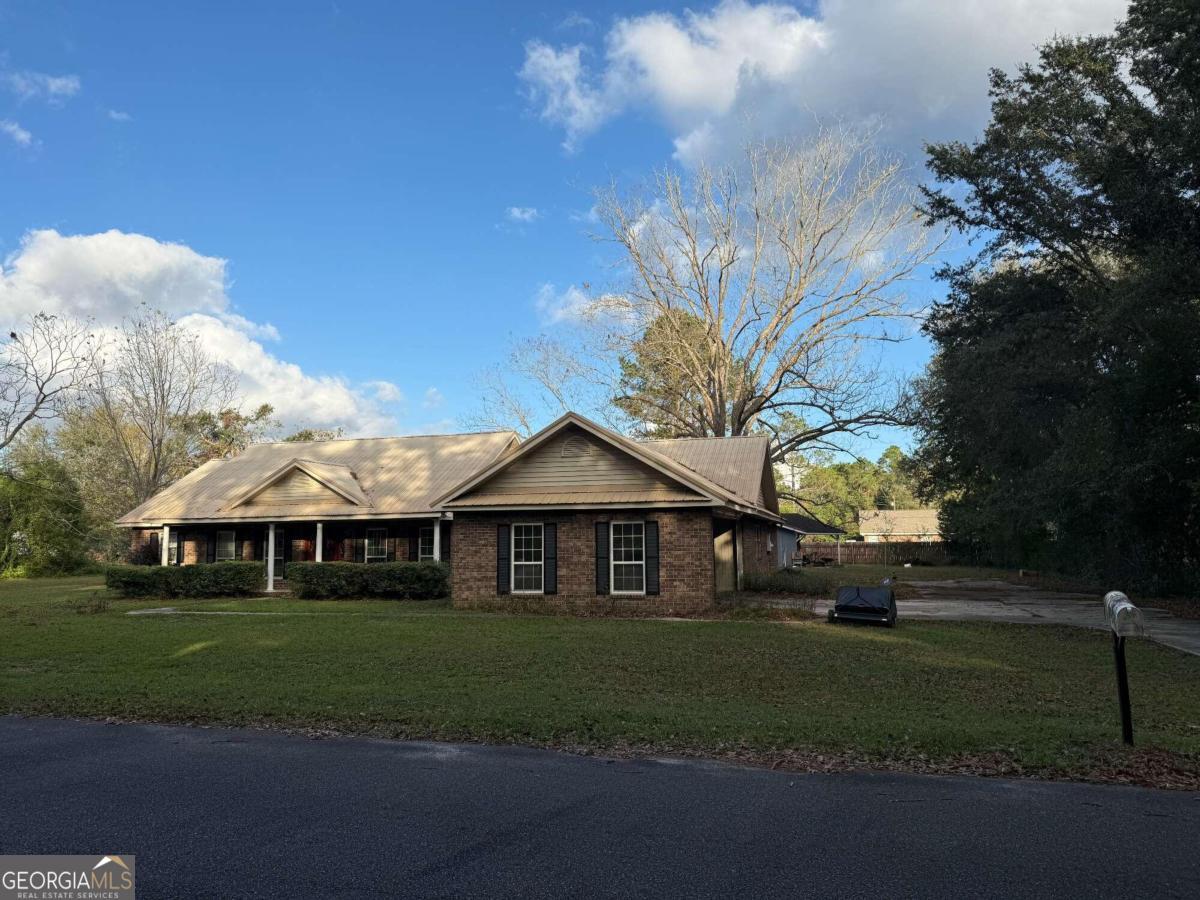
x=1061 y=412
x=820 y=485
x=94 y=422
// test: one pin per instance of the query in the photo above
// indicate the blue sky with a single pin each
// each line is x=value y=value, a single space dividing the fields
x=356 y=166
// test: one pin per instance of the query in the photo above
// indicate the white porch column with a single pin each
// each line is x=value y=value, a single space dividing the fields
x=166 y=545
x=271 y=557
x=320 y=542
x=437 y=540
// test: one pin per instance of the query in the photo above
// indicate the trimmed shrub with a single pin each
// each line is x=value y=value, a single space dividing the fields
x=402 y=580
x=787 y=581
x=224 y=579
x=326 y=580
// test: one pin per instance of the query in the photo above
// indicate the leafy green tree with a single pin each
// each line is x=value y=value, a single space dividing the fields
x=1062 y=410
x=43 y=525
x=833 y=491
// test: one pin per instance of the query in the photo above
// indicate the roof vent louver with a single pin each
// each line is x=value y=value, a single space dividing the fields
x=576 y=445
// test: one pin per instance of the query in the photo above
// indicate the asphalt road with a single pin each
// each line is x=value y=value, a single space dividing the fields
x=226 y=813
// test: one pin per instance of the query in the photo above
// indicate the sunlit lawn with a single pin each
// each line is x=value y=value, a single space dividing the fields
x=1040 y=695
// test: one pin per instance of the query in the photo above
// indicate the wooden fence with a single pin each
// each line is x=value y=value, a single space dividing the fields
x=862 y=553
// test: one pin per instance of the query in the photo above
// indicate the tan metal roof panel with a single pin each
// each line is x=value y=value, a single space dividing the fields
x=735 y=463
x=400 y=476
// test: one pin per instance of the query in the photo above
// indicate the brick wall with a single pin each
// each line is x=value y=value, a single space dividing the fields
x=143 y=545
x=758 y=547
x=685 y=563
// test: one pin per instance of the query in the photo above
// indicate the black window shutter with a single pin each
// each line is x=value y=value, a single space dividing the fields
x=601 y=557
x=447 y=528
x=211 y=553
x=360 y=547
x=651 y=533
x=414 y=545
x=550 y=558
x=390 y=544
x=502 y=550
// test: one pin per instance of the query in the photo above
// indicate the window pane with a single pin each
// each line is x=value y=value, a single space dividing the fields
x=629 y=577
x=425 y=543
x=527 y=558
x=376 y=543
x=279 y=539
x=628 y=542
x=225 y=546
x=527 y=577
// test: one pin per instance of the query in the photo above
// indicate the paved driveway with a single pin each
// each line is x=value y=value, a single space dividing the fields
x=234 y=813
x=998 y=601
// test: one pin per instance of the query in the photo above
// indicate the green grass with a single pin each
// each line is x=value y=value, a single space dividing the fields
x=1040 y=696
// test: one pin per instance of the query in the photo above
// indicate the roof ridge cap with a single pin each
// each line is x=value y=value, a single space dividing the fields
x=387 y=437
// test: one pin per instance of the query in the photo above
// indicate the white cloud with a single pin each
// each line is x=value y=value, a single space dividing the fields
x=385 y=391
x=16 y=132
x=554 y=306
x=433 y=399
x=718 y=76
x=558 y=83
x=522 y=214
x=106 y=277
x=28 y=85
x=118 y=116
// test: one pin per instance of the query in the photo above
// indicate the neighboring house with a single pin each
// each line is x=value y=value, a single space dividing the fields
x=795 y=528
x=575 y=513
x=884 y=526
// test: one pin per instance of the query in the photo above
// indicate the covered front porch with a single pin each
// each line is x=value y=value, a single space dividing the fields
x=278 y=543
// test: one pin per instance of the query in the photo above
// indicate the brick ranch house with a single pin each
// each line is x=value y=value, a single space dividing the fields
x=575 y=516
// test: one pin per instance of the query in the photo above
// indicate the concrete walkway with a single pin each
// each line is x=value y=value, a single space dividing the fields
x=966 y=600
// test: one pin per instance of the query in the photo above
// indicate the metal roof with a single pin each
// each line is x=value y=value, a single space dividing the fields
x=400 y=476
x=809 y=525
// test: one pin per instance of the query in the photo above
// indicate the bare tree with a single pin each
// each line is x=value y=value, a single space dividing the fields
x=562 y=378
x=155 y=385
x=42 y=367
x=761 y=288
x=754 y=299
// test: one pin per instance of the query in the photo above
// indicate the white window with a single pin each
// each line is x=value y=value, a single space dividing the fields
x=376 y=545
x=226 y=546
x=527 y=559
x=425 y=543
x=628 y=557
x=173 y=549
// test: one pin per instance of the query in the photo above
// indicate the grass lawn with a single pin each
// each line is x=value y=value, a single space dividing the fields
x=936 y=696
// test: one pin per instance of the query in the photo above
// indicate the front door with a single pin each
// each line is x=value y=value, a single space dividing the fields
x=723 y=557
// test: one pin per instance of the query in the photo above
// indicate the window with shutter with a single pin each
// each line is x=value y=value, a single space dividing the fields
x=628 y=555
x=528 y=561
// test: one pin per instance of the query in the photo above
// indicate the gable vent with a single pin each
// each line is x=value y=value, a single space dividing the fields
x=576 y=445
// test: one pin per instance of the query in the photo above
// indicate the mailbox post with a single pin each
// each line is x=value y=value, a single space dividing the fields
x=1124 y=620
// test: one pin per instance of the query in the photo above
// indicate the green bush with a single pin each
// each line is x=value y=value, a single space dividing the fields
x=326 y=580
x=787 y=581
x=224 y=579
x=402 y=580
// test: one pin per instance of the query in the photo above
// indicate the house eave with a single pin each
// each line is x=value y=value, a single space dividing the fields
x=306 y=517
